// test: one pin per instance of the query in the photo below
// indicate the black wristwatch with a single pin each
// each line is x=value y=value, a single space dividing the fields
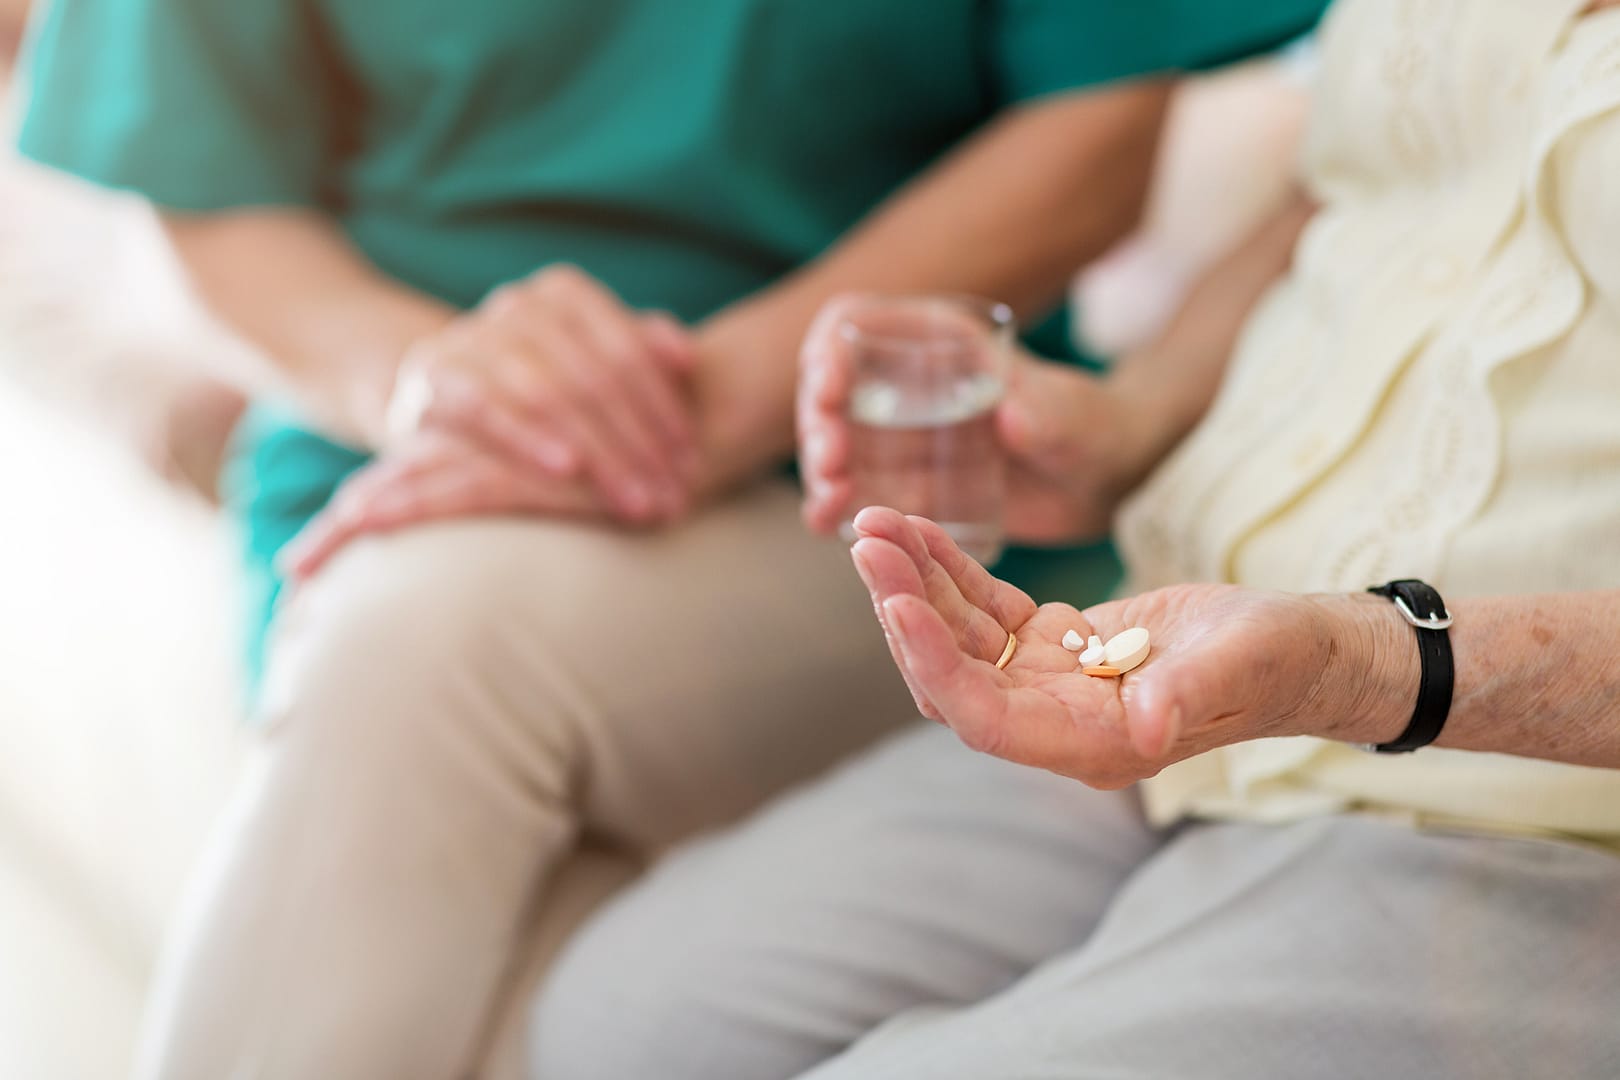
x=1422 y=606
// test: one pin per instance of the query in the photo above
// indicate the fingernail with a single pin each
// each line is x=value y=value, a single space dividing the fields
x=858 y=557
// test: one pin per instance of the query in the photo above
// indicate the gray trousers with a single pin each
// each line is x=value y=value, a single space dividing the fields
x=929 y=914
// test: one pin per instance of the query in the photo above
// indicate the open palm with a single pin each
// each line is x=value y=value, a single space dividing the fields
x=1227 y=664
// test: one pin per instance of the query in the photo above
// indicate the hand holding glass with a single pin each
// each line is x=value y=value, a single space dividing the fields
x=927 y=376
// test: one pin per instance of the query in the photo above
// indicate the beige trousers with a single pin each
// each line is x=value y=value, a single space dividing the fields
x=476 y=730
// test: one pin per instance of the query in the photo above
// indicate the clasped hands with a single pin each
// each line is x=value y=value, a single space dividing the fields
x=551 y=397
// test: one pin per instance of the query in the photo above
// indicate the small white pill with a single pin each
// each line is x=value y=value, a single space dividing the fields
x=1073 y=641
x=1095 y=642
x=1127 y=649
x=1093 y=655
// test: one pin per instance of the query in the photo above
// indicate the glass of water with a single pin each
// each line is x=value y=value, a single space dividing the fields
x=928 y=373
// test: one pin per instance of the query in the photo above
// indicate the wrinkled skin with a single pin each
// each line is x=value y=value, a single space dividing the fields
x=1227 y=663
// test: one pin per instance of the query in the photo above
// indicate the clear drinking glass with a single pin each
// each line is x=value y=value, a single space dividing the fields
x=929 y=372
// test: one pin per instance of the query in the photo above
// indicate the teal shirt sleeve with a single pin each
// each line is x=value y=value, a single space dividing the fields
x=1041 y=47
x=196 y=104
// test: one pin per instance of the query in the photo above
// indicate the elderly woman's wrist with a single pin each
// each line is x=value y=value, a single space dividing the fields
x=1370 y=682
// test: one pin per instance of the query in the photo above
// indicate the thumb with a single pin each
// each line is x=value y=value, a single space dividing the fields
x=1032 y=421
x=1155 y=718
x=1187 y=690
x=1017 y=424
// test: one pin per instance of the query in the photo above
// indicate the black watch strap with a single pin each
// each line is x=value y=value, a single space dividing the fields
x=1423 y=608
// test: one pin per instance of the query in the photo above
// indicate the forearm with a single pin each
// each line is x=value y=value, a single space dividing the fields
x=1171 y=383
x=1011 y=215
x=331 y=325
x=1536 y=676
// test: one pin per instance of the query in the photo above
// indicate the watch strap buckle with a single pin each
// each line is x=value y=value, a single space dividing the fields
x=1436 y=620
x=1437 y=675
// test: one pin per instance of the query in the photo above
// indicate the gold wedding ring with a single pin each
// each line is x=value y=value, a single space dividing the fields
x=1007 y=653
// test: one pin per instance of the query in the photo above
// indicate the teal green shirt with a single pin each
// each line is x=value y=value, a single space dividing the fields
x=685 y=152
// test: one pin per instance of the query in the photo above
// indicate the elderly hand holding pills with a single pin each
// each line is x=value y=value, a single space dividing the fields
x=1226 y=664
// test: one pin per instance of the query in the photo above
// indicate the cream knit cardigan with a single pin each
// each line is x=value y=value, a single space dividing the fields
x=1433 y=392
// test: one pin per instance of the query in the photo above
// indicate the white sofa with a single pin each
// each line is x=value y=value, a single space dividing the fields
x=118 y=705
x=118 y=736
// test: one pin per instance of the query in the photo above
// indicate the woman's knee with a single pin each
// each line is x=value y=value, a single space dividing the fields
x=412 y=650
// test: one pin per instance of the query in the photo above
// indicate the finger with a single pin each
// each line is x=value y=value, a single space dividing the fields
x=824 y=466
x=826 y=374
x=969 y=694
x=461 y=489
x=670 y=341
x=887 y=571
x=486 y=490
x=978 y=631
x=1019 y=425
x=892 y=573
x=543 y=313
x=315 y=544
x=826 y=506
x=346 y=516
x=981 y=704
x=467 y=486
x=508 y=418
x=638 y=392
x=1176 y=694
x=826 y=366
x=338 y=523
x=1032 y=414
x=585 y=304
x=511 y=429
x=1008 y=604
x=653 y=402
x=886 y=523
x=826 y=371
x=1155 y=722
x=620 y=451
x=627 y=377
x=455 y=491
x=546 y=371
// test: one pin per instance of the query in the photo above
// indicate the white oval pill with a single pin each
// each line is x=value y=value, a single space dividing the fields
x=1127 y=649
x=1073 y=641
x=1095 y=642
x=1093 y=655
